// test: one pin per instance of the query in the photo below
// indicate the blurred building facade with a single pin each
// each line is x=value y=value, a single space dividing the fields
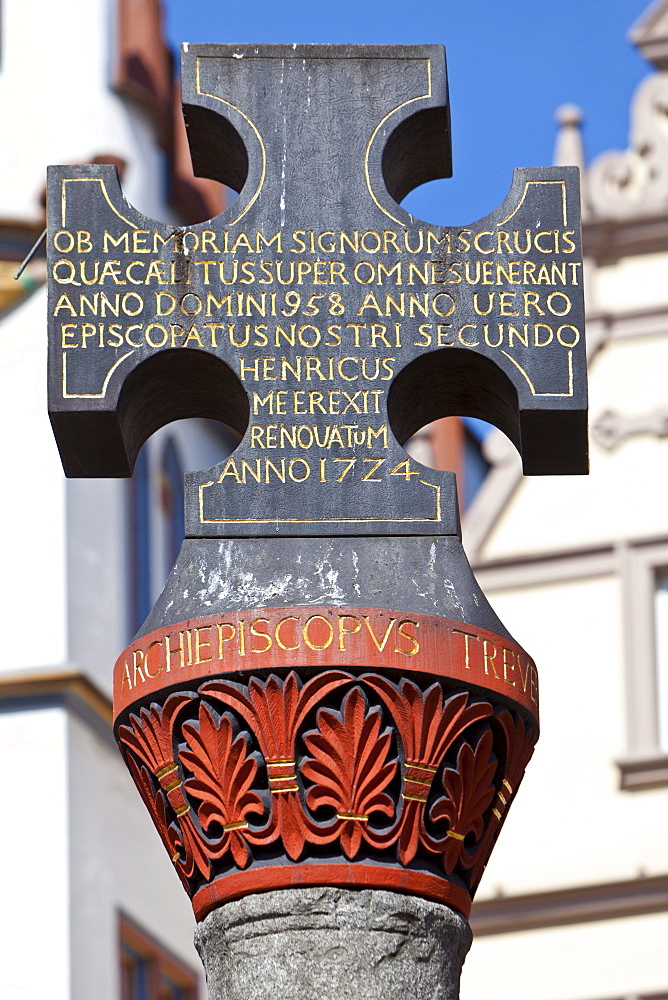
x=574 y=905
x=92 y=908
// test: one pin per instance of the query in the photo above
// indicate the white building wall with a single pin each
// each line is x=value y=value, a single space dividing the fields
x=624 y=495
x=606 y=958
x=56 y=104
x=118 y=864
x=68 y=554
x=80 y=847
x=32 y=500
x=98 y=576
x=572 y=826
x=34 y=915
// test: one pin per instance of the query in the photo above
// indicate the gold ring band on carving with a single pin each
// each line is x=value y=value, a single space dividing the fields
x=166 y=770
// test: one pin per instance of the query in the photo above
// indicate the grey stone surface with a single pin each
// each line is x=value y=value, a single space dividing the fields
x=429 y=576
x=329 y=944
x=322 y=142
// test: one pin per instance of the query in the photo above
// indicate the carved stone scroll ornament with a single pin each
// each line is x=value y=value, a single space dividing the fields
x=635 y=182
x=611 y=428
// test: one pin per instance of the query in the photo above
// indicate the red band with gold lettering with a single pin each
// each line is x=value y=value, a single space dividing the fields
x=273 y=638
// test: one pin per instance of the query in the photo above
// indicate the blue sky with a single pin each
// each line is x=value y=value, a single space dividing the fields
x=510 y=64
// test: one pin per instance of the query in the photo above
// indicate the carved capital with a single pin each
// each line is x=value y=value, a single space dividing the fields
x=263 y=775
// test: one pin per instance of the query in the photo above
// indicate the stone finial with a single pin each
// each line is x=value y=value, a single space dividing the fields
x=569 y=147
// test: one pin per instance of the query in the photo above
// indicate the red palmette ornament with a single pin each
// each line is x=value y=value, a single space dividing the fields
x=329 y=745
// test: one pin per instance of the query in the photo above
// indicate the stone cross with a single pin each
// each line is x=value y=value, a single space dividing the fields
x=315 y=316
x=327 y=730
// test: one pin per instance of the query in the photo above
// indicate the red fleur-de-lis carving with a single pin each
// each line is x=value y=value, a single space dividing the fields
x=223 y=772
x=203 y=795
x=469 y=792
x=519 y=742
x=426 y=723
x=428 y=726
x=274 y=710
x=151 y=736
x=349 y=768
x=155 y=803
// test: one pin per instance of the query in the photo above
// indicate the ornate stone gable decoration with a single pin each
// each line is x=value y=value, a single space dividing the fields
x=322 y=695
x=633 y=184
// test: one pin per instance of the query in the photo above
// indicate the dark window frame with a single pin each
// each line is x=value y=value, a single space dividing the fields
x=645 y=763
x=161 y=968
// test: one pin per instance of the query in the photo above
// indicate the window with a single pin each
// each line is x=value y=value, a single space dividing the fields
x=141 y=599
x=148 y=971
x=661 y=650
x=171 y=503
x=156 y=518
x=644 y=573
x=455 y=444
x=476 y=465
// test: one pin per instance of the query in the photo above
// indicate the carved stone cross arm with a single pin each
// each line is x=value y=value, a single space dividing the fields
x=315 y=316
